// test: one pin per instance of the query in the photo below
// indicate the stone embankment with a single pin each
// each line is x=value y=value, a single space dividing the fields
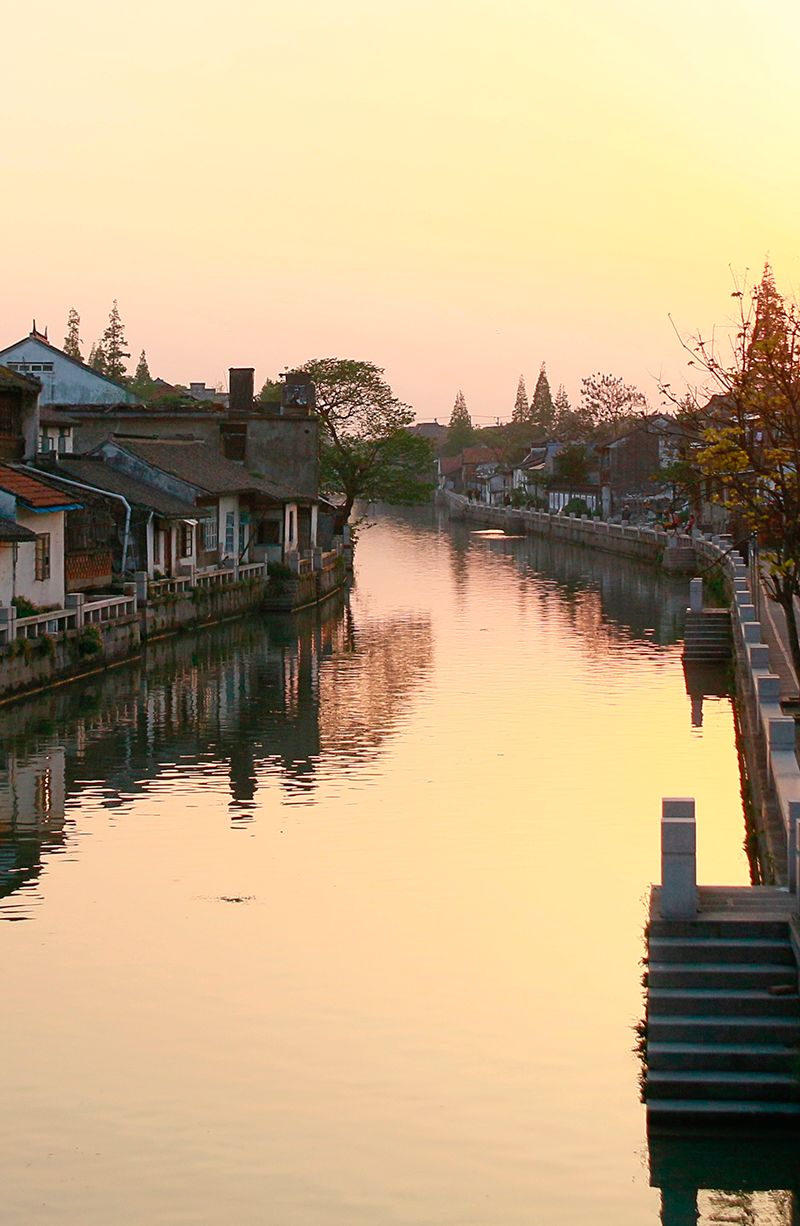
x=88 y=635
x=674 y=552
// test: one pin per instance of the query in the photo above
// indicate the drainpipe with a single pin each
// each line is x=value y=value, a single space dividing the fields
x=84 y=485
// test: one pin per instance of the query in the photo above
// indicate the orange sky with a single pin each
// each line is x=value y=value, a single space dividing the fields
x=454 y=190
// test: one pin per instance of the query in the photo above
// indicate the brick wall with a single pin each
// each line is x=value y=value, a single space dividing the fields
x=90 y=568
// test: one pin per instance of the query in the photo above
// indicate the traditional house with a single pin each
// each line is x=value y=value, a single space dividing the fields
x=65 y=381
x=32 y=568
x=630 y=463
x=471 y=471
x=235 y=515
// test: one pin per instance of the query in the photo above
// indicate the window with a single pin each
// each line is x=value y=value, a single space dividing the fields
x=42 y=556
x=210 y=535
x=44 y=441
x=64 y=433
x=187 y=540
x=230 y=529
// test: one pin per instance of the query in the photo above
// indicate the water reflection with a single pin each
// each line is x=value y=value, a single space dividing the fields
x=734 y=1178
x=273 y=697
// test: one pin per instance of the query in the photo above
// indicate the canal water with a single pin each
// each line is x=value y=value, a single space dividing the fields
x=339 y=919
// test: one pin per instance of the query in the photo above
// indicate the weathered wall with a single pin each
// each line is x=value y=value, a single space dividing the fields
x=284 y=594
x=285 y=449
x=40 y=662
x=89 y=430
x=204 y=605
x=47 y=593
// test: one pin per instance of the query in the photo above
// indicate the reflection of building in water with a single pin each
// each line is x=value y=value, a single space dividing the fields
x=370 y=675
x=733 y=1178
x=32 y=794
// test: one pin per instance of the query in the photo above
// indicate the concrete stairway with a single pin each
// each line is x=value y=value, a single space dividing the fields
x=707 y=636
x=723 y=1020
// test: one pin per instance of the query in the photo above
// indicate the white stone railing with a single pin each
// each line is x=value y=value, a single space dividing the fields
x=178 y=585
x=108 y=609
x=53 y=622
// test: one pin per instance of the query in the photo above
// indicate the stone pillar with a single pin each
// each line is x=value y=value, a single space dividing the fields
x=758 y=656
x=781 y=733
x=316 y=559
x=76 y=601
x=678 y=859
x=695 y=595
x=8 y=622
x=747 y=612
x=751 y=632
x=768 y=687
x=793 y=849
x=293 y=561
x=140 y=579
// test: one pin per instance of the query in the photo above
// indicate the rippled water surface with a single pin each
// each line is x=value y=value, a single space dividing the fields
x=339 y=920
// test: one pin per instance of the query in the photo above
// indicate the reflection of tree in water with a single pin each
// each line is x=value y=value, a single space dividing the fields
x=245 y=697
x=368 y=678
x=607 y=599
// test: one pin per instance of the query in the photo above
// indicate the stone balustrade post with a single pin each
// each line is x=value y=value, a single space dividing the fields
x=140 y=579
x=678 y=858
x=768 y=688
x=781 y=733
x=316 y=559
x=751 y=632
x=695 y=595
x=8 y=620
x=794 y=849
x=76 y=601
x=293 y=561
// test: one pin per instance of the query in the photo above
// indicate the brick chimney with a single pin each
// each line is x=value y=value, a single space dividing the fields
x=240 y=388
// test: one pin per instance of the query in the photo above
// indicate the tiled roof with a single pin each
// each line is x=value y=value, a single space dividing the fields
x=13 y=533
x=32 y=492
x=94 y=471
x=22 y=383
x=201 y=465
x=450 y=464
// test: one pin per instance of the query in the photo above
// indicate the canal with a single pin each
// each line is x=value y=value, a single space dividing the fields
x=339 y=920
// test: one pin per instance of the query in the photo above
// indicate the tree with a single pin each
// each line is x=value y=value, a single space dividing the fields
x=607 y=400
x=750 y=446
x=97 y=358
x=570 y=425
x=114 y=346
x=460 y=431
x=367 y=451
x=270 y=392
x=542 y=408
x=522 y=410
x=142 y=380
x=72 y=341
x=573 y=465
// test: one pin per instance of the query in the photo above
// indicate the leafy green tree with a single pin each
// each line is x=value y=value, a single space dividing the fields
x=367 y=451
x=608 y=401
x=573 y=464
x=72 y=341
x=750 y=446
x=270 y=392
x=542 y=414
x=114 y=346
x=522 y=409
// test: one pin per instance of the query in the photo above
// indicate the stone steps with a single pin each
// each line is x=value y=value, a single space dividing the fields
x=723 y=1016
x=707 y=636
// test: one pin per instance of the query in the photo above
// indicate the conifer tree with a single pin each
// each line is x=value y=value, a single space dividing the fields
x=114 y=346
x=97 y=358
x=460 y=431
x=542 y=414
x=142 y=379
x=72 y=341
x=521 y=411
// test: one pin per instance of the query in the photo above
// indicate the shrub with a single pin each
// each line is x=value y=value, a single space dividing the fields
x=90 y=642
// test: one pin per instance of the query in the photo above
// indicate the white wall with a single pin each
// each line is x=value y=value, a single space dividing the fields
x=230 y=502
x=7 y=572
x=48 y=591
x=67 y=382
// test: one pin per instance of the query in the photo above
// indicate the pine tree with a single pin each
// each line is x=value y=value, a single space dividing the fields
x=521 y=408
x=542 y=414
x=561 y=404
x=114 y=346
x=460 y=431
x=97 y=358
x=142 y=379
x=72 y=341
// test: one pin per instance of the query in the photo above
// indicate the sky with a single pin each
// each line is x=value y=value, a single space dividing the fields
x=457 y=192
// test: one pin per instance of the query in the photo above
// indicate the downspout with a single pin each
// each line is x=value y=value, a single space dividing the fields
x=84 y=485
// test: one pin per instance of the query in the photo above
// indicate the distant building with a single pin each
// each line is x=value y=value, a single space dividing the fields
x=64 y=380
x=32 y=568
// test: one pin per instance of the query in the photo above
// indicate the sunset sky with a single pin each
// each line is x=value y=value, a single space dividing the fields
x=455 y=191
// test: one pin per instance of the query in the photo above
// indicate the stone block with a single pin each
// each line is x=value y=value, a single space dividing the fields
x=768 y=687
x=781 y=732
x=751 y=632
x=696 y=595
x=758 y=656
x=678 y=887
